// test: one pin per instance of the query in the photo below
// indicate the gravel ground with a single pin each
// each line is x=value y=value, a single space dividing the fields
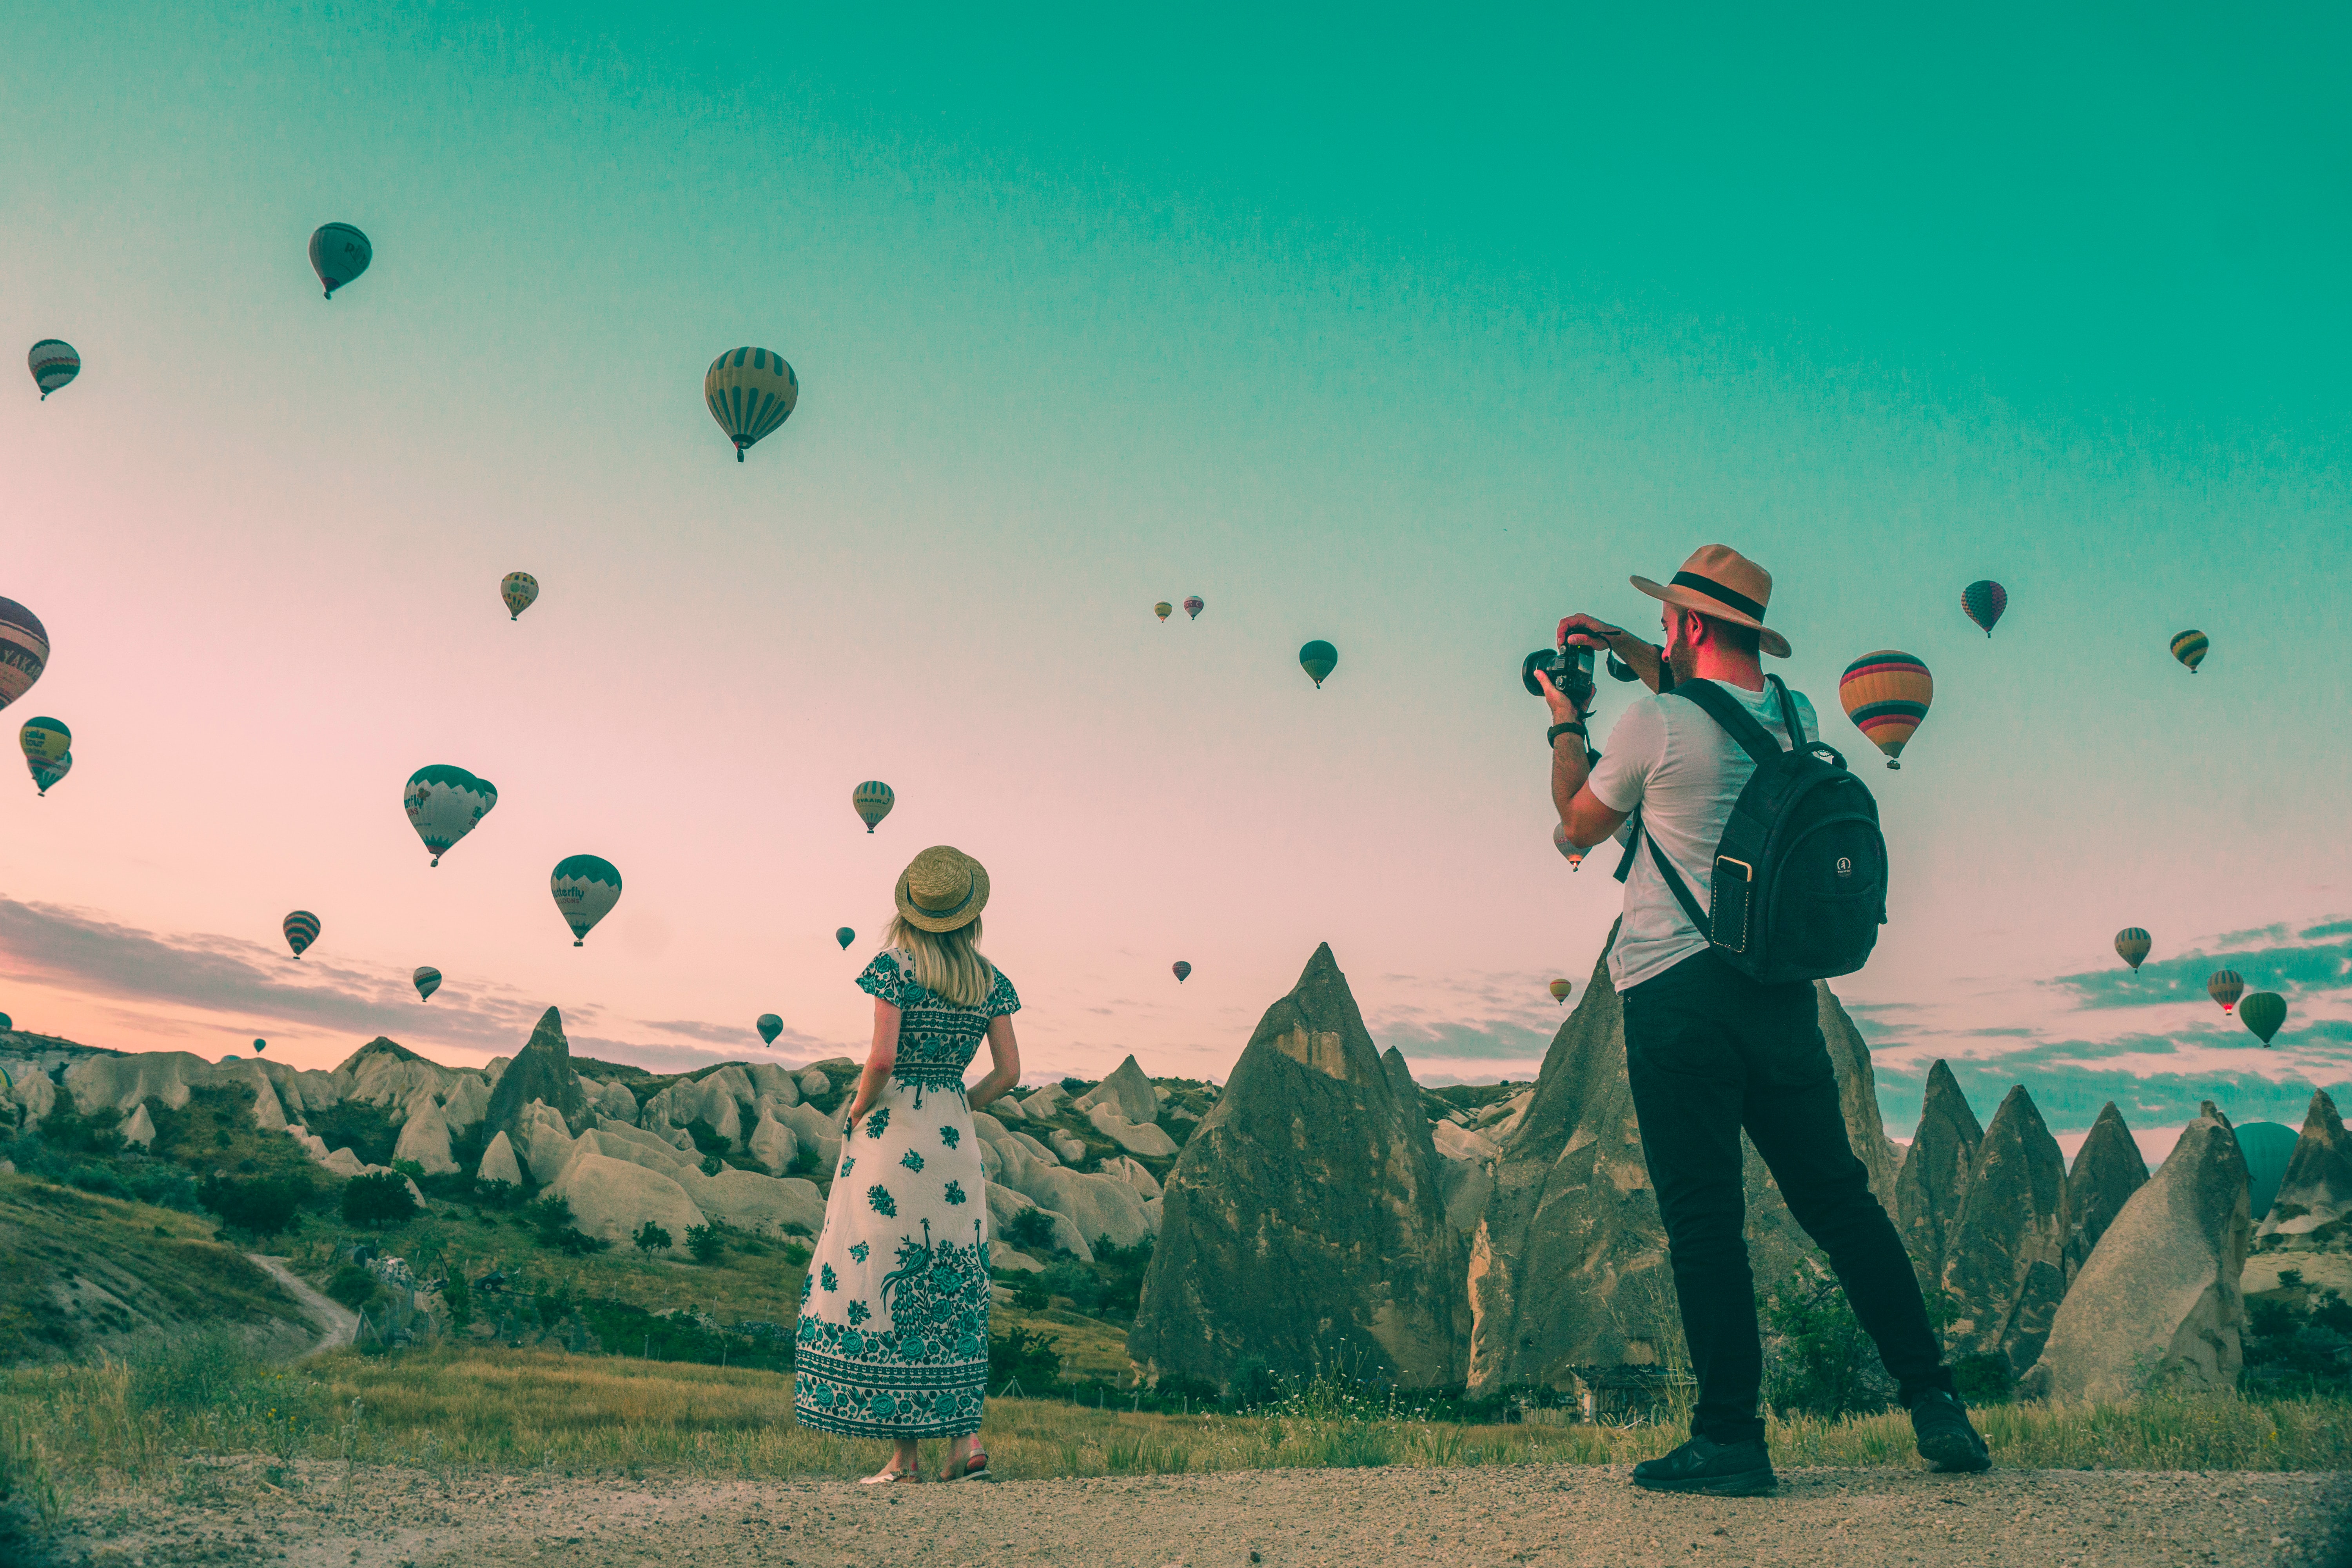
x=1280 y=1519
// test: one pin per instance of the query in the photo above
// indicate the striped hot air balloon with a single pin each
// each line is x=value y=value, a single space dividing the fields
x=770 y=1027
x=871 y=801
x=1180 y=970
x=521 y=591
x=54 y=364
x=1559 y=990
x=2225 y=986
x=339 y=253
x=1886 y=694
x=47 y=771
x=845 y=936
x=2190 y=648
x=750 y=392
x=1163 y=609
x=586 y=887
x=1318 y=659
x=429 y=980
x=301 y=930
x=1984 y=602
x=2263 y=1013
x=1559 y=841
x=24 y=650
x=443 y=803
x=2131 y=945
x=1193 y=605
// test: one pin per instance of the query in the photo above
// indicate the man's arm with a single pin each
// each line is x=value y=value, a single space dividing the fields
x=1580 y=812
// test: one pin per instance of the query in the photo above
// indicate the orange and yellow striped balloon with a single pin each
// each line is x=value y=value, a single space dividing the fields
x=1886 y=694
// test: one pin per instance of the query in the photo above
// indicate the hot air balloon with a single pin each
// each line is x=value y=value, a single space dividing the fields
x=1887 y=695
x=443 y=803
x=521 y=591
x=24 y=650
x=2131 y=945
x=53 y=364
x=1163 y=609
x=1559 y=841
x=46 y=772
x=770 y=1027
x=750 y=392
x=845 y=936
x=1181 y=970
x=872 y=799
x=339 y=253
x=1193 y=605
x=586 y=887
x=2263 y=1013
x=260 y=1046
x=1559 y=990
x=429 y=980
x=1984 y=600
x=2190 y=648
x=301 y=930
x=1318 y=658
x=2224 y=986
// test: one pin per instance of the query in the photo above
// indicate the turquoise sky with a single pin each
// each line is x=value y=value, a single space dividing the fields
x=1413 y=332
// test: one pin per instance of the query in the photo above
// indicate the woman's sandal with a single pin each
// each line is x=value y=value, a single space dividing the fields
x=975 y=1469
x=889 y=1477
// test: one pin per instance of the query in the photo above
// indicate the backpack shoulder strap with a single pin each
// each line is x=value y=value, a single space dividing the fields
x=1666 y=873
x=1736 y=721
x=1787 y=713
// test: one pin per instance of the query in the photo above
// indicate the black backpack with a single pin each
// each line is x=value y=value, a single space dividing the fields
x=1799 y=879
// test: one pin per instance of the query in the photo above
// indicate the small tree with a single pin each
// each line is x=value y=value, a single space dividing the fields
x=459 y=1297
x=707 y=1242
x=1031 y=1231
x=263 y=1207
x=651 y=1238
x=380 y=1198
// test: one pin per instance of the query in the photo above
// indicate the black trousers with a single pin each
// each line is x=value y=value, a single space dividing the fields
x=1709 y=1052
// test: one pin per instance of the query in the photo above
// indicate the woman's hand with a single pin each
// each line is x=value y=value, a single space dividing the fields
x=880 y=1061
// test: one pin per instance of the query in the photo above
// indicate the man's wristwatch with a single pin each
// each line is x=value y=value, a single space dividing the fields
x=1573 y=727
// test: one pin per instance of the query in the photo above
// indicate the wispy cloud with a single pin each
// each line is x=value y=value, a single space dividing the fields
x=2278 y=963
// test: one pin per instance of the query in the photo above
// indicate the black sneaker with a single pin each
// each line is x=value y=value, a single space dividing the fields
x=1704 y=1465
x=1946 y=1441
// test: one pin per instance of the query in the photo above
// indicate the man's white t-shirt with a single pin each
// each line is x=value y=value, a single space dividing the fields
x=1684 y=771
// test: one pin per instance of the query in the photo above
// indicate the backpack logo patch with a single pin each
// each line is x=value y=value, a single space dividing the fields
x=1845 y=866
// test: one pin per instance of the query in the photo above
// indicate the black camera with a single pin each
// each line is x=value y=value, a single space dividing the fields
x=1571 y=669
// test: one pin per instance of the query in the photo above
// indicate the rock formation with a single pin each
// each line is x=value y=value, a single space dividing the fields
x=1568 y=1266
x=498 y=1162
x=2312 y=1210
x=2107 y=1171
x=2005 y=1260
x=772 y=1143
x=1935 y=1176
x=1126 y=1091
x=1303 y=1221
x=424 y=1138
x=612 y=1198
x=543 y=1072
x=141 y=1129
x=1143 y=1138
x=2157 y=1303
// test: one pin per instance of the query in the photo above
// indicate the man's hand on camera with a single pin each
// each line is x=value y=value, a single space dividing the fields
x=1562 y=710
x=1587 y=631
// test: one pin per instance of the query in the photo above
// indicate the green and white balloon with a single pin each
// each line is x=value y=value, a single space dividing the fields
x=586 y=887
x=443 y=803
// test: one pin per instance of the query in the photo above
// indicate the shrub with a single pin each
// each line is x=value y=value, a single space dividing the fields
x=458 y=1298
x=263 y=1206
x=352 y=1286
x=409 y=1168
x=365 y=1130
x=806 y=1160
x=712 y=1164
x=651 y=1237
x=549 y=1214
x=1025 y=1356
x=1817 y=1359
x=1255 y=1383
x=381 y=1199
x=708 y=1243
x=707 y=1139
x=66 y=1128
x=1031 y=1231
x=496 y=1194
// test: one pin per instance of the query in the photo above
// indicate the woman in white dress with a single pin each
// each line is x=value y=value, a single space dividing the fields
x=893 y=1333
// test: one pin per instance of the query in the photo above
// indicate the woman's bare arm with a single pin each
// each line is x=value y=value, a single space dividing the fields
x=1007 y=1070
x=879 y=1061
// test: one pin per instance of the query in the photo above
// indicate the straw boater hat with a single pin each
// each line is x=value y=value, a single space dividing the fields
x=942 y=888
x=1721 y=581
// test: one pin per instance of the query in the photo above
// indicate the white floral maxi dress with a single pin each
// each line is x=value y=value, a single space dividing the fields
x=893 y=1333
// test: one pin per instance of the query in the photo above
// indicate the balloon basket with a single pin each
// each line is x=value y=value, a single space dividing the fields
x=579 y=942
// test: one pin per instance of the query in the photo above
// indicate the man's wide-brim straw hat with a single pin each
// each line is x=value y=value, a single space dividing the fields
x=942 y=888
x=1718 y=581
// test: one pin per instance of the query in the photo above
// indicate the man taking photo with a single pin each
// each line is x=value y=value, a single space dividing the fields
x=1709 y=1050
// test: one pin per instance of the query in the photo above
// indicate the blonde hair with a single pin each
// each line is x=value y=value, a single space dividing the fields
x=948 y=963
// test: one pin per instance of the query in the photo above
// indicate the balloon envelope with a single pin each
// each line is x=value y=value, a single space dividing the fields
x=1984 y=600
x=2224 y=986
x=45 y=739
x=339 y=253
x=1559 y=990
x=261 y=1045
x=1559 y=841
x=2268 y=1147
x=1318 y=659
x=770 y=1027
x=1193 y=605
x=871 y=801
x=429 y=980
x=1181 y=970
x=301 y=930
x=1886 y=694
x=750 y=392
x=1163 y=609
x=2263 y=1013
x=53 y=364
x=586 y=887
x=443 y=803
x=2190 y=648
x=521 y=591
x=46 y=772
x=845 y=936
x=2131 y=945
x=24 y=650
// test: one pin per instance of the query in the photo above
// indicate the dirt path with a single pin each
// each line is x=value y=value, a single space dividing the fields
x=337 y=1324
x=1503 y=1516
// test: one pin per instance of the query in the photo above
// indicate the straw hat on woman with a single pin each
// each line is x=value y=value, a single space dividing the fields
x=893 y=1334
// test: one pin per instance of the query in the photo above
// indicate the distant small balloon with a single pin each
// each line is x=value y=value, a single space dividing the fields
x=586 y=887
x=2190 y=648
x=1163 y=609
x=2263 y=1013
x=845 y=936
x=2131 y=945
x=339 y=253
x=770 y=1027
x=1559 y=990
x=54 y=364
x=2225 y=986
x=1181 y=970
x=301 y=930
x=46 y=772
x=1193 y=605
x=750 y=392
x=521 y=591
x=24 y=650
x=1559 y=841
x=429 y=980
x=1984 y=600
x=261 y=1045
x=7 y=1025
x=1318 y=659
x=48 y=746
x=871 y=801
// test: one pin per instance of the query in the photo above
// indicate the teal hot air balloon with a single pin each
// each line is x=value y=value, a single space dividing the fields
x=427 y=980
x=47 y=771
x=586 y=887
x=770 y=1027
x=260 y=1046
x=2263 y=1013
x=2267 y=1146
x=339 y=253
x=1318 y=658
x=1984 y=602
x=845 y=936
x=53 y=364
x=443 y=803
x=871 y=801
x=7 y=1027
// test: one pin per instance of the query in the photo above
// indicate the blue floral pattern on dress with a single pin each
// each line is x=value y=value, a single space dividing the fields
x=949 y=1136
x=831 y=1281
x=877 y=1121
x=848 y=1163
x=859 y=1251
x=955 y=1192
x=883 y=1203
x=859 y=1311
x=912 y=1161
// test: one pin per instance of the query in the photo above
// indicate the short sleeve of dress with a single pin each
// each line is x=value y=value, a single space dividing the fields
x=1002 y=998
x=883 y=979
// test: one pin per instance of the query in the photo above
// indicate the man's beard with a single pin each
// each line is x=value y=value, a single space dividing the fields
x=1683 y=659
